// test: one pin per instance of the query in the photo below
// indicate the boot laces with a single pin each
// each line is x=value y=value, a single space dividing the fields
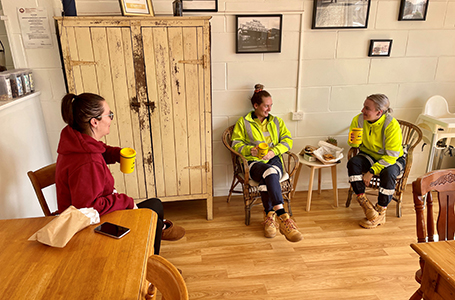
x=290 y=224
x=269 y=221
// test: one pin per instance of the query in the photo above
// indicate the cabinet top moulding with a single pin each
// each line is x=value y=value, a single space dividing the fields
x=129 y=21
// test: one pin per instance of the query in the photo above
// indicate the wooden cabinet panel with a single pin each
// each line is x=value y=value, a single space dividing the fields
x=155 y=75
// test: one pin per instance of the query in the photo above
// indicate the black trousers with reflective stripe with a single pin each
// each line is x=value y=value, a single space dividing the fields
x=359 y=164
x=273 y=195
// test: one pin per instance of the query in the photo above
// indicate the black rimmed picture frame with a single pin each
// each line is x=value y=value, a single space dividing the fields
x=330 y=14
x=200 y=5
x=380 y=48
x=258 y=33
x=413 y=10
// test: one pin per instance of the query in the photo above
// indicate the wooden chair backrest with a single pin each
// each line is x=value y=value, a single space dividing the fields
x=443 y=183
x=166 y=278
x=41 y=179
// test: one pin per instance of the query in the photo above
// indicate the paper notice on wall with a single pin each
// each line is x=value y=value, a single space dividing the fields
x=35 y=27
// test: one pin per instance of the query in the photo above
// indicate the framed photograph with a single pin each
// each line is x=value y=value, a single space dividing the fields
x=413 y=10
x=258 y=33
x=329 y=14
x=380 y=47
x=136 y=7
x=200 y=5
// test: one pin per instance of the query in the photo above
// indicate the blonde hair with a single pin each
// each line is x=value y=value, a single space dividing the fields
x=381 y=102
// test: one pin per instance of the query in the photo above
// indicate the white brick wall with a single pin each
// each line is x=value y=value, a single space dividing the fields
x=336 y=73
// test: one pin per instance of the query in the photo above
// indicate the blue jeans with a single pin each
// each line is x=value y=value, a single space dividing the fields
x=268 y=175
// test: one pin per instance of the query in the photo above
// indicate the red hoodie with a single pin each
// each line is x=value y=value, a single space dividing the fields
x=82 y=177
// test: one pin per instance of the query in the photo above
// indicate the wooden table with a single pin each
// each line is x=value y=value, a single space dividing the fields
x=438 y=277
x=90 y=266
x=317 y=165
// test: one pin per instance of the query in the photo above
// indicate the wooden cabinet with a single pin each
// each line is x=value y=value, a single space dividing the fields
x=155 y=74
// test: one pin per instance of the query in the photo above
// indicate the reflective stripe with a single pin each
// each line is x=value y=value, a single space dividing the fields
x=360 y=121
x=384 y=163
x=262 y=188
x=278 y=170
x=249 y=132
x=277 y=124
x=386 y=191
x=286 y=144
x=266 y=133
x=370 y=160
x=269 y=171
x=392 y=153
x=401 y=166
x=355 y=178
x=387 y=121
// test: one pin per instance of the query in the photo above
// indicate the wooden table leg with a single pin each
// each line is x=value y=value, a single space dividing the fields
x=334 y=183
x=310 y=189
x=319 y=180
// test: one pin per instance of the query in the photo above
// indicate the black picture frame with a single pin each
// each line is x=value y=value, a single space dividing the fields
x=410 y=11
x=199 y=5
x=333 y=14
x=258 y=33
x=380 y=48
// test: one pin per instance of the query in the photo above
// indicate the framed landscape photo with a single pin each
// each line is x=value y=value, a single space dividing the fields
x=329 y=14
x=413 y=10
x=136 y=7
x=200 y=5
x=380 y=47
x=258 y=33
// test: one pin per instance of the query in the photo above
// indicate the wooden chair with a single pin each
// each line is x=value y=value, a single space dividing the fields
x=443 y=183
x=251 y=193
x=412 y=135
x=41 y=179
x=164 y=277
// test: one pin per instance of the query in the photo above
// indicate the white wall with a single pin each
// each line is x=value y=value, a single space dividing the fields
x=336 y=73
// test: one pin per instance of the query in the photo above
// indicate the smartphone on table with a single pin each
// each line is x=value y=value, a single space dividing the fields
x=112 y=230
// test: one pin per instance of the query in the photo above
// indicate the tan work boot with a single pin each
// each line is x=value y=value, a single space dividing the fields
x=289 y=229
x=380 y=220
x=367 y=206
x=270 y=225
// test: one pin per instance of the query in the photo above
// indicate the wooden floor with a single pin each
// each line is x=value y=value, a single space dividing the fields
x=224 y=259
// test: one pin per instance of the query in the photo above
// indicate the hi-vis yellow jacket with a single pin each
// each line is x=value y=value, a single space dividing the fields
x=247 y=135
x=382 y=140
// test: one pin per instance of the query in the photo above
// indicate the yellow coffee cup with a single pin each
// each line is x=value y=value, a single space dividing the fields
x=127 y=159
x=355 y=136
x=263 y=149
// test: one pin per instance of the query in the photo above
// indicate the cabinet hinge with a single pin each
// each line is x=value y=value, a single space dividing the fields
x=202 y=61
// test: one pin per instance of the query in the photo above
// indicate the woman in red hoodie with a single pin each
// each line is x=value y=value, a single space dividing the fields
x=82 y=176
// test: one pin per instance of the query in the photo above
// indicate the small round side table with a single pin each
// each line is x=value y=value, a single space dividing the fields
x=317 y=165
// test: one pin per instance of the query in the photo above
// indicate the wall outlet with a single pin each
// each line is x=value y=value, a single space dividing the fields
x=297 y=115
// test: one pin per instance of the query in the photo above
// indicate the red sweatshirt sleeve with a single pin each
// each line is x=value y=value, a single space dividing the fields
x=91 y=187
x=112 y=154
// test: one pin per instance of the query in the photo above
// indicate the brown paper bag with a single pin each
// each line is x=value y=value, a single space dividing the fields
x=59 y=231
